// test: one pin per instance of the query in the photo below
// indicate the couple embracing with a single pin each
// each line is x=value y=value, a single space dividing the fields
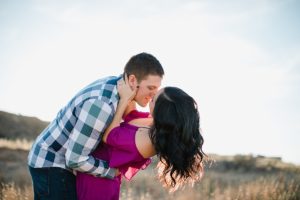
x=100 y=137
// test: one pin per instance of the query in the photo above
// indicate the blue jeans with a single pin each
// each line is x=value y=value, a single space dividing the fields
x=53 y=183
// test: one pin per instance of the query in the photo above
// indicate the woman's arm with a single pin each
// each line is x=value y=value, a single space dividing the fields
x=142 y=122
x=117 y=118
x=126 y=95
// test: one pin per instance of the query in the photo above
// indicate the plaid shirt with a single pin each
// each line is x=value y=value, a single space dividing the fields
x=77 y=130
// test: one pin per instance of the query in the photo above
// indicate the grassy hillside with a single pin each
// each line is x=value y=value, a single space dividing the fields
x=227 y=177
x=13 y=166
x=240 y=177
x=14 y=126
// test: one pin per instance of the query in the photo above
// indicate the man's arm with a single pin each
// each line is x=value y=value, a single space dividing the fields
x=93 y=118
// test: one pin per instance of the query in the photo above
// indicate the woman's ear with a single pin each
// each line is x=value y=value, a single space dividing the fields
x=132 y=81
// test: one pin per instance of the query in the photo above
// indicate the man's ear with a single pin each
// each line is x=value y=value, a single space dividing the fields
x=132 y=81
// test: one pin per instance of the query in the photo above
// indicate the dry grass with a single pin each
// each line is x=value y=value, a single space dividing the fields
x=11 y=192
x=235 y=178
x=219 y=186
x=146 y=188
x=21 y=144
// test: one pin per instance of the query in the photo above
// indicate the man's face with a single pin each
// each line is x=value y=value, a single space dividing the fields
x=153 y=101
x=147 y=89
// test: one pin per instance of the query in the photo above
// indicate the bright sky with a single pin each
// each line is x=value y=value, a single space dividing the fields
x=240 y=60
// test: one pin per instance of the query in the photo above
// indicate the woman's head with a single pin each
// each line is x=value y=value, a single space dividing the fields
x=176 y=136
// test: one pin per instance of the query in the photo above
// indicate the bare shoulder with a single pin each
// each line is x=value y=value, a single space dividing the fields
x=143 y=142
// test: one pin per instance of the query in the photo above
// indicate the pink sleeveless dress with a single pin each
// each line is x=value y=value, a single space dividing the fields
x=121 y=152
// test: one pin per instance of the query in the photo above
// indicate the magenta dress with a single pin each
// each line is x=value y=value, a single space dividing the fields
x=121 y=152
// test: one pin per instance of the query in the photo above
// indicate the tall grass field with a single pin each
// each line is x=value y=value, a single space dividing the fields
x=240 y=177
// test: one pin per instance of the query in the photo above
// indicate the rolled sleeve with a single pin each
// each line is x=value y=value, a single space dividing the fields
x=93 y=118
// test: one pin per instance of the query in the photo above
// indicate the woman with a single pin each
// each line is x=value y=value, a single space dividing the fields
x=172 y=134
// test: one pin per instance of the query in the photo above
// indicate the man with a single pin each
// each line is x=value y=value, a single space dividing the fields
x=66 y=144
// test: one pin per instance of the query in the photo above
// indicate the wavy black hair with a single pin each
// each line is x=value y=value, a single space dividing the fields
x=176 y=137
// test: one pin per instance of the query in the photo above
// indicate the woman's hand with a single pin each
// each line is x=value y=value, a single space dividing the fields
x=117 y=172
x=126 y=95
x=124 y=90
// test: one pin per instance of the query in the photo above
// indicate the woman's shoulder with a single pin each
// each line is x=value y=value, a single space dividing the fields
x=143 y=142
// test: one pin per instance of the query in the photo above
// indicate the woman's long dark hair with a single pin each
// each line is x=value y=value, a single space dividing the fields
x=176 y=137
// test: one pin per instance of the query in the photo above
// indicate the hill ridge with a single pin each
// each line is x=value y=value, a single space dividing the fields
x=16 y=126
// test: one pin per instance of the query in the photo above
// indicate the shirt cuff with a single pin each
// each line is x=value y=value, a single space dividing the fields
x=110 y=173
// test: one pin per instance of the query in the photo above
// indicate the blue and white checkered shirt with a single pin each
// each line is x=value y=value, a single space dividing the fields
x=77 y=130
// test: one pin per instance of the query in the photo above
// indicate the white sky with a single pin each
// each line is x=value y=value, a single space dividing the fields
x=240 y=60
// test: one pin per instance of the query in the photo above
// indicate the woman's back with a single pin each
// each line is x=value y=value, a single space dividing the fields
x=121 y=152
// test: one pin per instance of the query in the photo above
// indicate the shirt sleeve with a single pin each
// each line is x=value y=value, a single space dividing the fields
x=93 y=117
